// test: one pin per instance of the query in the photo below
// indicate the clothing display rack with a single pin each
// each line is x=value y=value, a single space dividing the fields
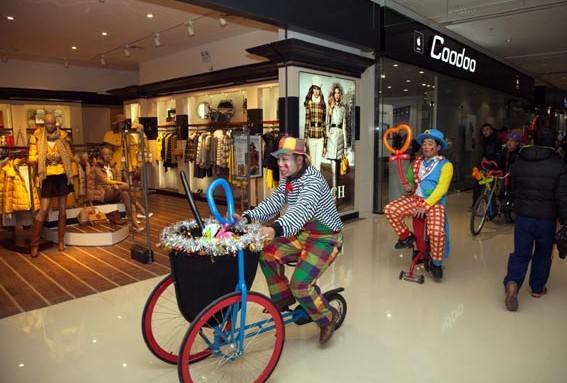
x=20 y=240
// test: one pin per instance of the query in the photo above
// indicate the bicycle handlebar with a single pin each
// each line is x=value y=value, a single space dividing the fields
x=229 y=201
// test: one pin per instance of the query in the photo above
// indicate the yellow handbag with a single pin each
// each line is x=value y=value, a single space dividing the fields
x=344 y=165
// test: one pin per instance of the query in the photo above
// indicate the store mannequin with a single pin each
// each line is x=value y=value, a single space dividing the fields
x=109 y=187
x=135 y=160
x=113 y=139
x=50 y=154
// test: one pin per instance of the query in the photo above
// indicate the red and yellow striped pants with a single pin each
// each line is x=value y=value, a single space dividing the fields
x=403 y=207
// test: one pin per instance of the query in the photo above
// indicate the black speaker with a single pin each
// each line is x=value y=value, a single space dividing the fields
x=255 y=118
x=182 y=126
x=288 y=109
x=150 y=127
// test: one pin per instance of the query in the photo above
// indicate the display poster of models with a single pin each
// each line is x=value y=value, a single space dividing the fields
x=326 y=121
x=247 y=156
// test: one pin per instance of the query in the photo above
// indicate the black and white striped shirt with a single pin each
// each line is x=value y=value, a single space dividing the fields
x=308 y=197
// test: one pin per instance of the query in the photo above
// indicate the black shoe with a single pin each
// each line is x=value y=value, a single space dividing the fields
x=437 y=271
x=403 y=243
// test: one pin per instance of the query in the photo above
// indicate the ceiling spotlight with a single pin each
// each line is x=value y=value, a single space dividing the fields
x=191 y=28
x=222 y=21
x=127 y=50
x=102 y=60
x=156 y=39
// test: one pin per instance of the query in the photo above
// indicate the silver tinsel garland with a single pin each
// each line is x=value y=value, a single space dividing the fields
x=178 y=237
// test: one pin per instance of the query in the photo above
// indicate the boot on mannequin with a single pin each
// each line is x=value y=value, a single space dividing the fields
x=61 y=223
x=36 y=230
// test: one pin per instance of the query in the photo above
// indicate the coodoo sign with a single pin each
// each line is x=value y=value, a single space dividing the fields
x=439 y=51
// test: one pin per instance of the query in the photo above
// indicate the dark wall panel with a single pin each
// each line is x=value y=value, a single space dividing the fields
x=352 y=21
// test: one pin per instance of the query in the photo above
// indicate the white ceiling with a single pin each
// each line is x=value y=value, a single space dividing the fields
x=45 y=30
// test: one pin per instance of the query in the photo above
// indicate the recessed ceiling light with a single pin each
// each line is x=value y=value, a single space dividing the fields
x=408 y=80
x=421 y=72
x=382 y=75
x=11 y=18
x=74 y=48
x=405 y=90
x=389 y=86
x=150 y=15
x=395 y=65
x=104 y=33
x=508 y=40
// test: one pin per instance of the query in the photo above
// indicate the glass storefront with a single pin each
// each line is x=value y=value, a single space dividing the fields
x=423 y=99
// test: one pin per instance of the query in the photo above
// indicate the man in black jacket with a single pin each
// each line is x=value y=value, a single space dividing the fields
x=491 y=146
x=538 y=185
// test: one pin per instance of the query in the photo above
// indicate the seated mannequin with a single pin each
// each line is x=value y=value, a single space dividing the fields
x=110 y=189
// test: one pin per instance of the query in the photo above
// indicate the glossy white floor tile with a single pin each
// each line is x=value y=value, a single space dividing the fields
x=457 y=330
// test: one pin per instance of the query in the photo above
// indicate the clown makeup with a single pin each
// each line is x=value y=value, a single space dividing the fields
x=430 y=148
x=289 y=164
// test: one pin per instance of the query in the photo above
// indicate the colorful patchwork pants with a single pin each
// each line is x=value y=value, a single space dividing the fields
x=313 y=252
x=403 y=207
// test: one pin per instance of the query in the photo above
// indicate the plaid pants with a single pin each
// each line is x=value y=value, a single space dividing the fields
x=397 y=210
x=314 y=252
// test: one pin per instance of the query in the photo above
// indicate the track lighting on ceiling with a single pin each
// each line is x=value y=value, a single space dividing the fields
x=127 y=50
x=222 y=21
x=102 y=60
x=191 y=28
x=157 y=42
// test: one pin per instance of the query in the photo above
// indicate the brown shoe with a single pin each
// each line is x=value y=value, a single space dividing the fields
x=328 y=330
x=511 y=296
x=115 y=218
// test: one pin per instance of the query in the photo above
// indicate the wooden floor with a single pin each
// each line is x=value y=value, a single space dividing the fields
x=53 y=277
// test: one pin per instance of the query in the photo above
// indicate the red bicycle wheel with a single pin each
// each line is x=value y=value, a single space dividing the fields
x=163 y=325
x=219 y=325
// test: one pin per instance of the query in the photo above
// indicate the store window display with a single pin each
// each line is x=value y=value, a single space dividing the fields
x=50 y=153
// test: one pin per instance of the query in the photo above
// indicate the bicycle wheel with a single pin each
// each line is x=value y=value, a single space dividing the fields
x=219 y=325
x=338 y=302
x=478 y=214
x=163 y=325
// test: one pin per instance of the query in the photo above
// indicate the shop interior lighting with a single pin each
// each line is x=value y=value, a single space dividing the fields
x=191 y=28
x=157 y=42
x=222 y=21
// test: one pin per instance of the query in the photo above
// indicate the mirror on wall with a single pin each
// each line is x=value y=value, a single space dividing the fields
x=203 y=110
